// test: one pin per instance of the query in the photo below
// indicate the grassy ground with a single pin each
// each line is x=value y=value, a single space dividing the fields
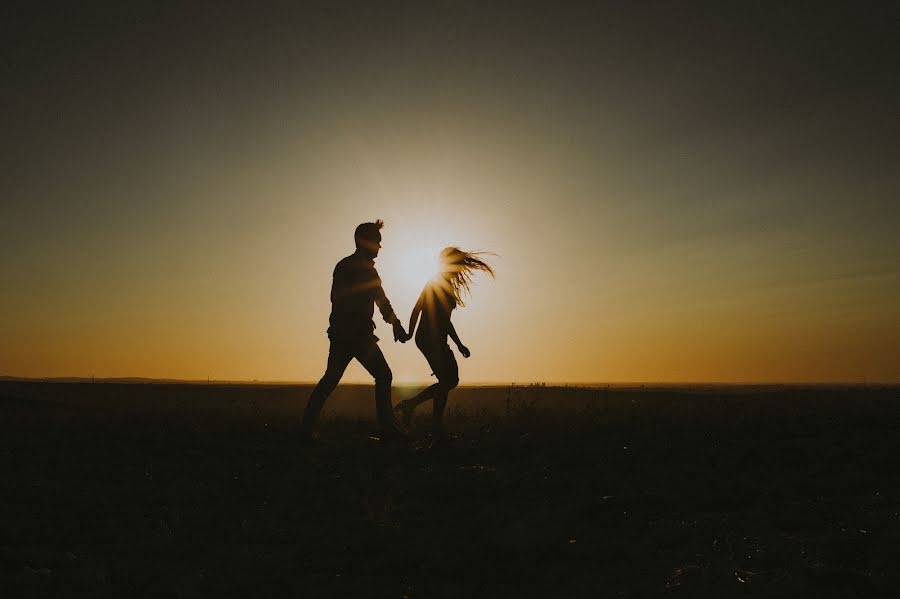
x=112 y=490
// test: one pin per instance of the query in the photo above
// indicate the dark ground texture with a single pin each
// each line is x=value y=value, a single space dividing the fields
x=130 y=490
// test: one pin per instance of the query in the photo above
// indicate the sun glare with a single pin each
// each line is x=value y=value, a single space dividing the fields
x=406 y=263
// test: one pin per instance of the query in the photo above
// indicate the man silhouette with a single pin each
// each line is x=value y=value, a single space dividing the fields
x=355 y=289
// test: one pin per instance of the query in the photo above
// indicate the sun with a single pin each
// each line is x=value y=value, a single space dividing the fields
x=406 y=263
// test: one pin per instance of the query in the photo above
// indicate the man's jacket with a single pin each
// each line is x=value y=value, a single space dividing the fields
x=355 y=289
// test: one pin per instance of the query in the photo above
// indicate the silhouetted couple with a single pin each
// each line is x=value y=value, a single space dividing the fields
x=355 y=290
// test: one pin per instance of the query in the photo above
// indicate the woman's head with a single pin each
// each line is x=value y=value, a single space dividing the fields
x=457 y=269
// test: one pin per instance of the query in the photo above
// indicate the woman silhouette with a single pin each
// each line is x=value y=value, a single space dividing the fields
x=438 y=299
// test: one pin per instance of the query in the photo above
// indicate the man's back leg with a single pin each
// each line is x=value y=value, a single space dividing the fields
x=338 y=359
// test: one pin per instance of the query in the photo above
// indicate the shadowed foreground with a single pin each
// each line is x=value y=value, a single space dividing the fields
x=192 y=490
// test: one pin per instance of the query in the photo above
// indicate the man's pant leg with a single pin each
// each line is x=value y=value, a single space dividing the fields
x=370 y=356
x=339 y=356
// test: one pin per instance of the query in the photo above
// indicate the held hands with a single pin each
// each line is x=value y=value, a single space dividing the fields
x=400 y=333
x=464 y=351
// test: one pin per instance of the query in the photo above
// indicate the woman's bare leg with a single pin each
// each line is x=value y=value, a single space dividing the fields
x=408 y=406
x=423 y=396
x=438 y=434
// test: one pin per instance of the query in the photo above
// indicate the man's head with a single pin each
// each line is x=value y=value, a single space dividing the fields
x=368 y=238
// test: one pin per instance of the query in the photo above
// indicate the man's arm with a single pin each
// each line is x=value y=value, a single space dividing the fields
x=387 y=312
x=384 y=305
x=340 y=282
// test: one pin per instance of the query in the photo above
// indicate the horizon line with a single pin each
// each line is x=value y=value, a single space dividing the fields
x=623 y=383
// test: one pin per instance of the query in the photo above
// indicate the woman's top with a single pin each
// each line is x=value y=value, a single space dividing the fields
x=437 y=303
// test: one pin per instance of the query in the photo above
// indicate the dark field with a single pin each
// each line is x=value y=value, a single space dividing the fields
x=119 y=490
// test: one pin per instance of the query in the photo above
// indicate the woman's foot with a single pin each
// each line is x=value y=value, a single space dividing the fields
x=406 y=409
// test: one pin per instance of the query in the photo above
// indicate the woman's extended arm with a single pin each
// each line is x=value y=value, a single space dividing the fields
x=414 y=317
x=462 y=348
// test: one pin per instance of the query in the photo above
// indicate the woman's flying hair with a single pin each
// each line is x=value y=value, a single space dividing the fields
x=459 y=268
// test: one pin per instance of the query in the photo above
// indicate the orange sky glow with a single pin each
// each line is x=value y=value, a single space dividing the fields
x=175 y=210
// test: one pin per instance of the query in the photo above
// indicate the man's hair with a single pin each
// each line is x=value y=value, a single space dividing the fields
x=368 y=231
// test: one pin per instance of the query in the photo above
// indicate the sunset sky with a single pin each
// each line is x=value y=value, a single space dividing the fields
x=674 y=194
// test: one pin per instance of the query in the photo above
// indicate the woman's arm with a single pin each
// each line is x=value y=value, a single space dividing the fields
x=414 y=317
x=462 y=348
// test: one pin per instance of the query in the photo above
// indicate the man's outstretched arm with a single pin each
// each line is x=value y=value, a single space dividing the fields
x=387 y=312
